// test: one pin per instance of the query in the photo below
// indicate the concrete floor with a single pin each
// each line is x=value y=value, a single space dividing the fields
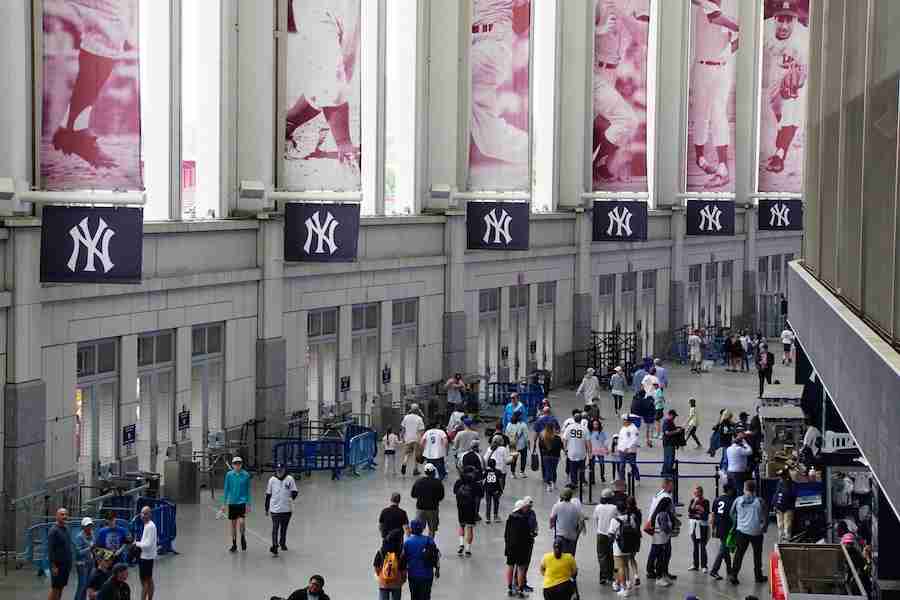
x=334 y=531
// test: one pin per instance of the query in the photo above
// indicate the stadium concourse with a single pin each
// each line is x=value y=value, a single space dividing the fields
x=334 y=530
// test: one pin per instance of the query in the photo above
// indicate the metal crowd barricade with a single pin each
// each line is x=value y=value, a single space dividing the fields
x=532 y=396
x=311 y=455
x=164 y=516
x=361 y=451
x=36 y=541
x=678 y=475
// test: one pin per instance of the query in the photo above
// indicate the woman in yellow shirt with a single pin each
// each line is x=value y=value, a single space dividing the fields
x=559 y=571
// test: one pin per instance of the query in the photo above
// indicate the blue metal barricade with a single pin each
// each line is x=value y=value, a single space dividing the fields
x=36 y=541
x=361 y=452
x=164 y=516
x=311 y=455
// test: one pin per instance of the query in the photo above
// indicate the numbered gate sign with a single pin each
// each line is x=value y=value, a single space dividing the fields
x=129 y=434
x=184 y=420
x=386 y=375
x=345 y=383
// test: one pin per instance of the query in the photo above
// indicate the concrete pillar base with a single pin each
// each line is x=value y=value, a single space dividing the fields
x=454 y=343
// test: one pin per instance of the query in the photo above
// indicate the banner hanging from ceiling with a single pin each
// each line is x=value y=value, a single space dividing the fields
x=497 y=225
x=90 y=96
x=710 y=217
x=715 y=29
x=499 y=101
x=785 y=68
x=621 y=29
x=81 y=244
x=620 y=221
x=322 y=149
x=318 y=232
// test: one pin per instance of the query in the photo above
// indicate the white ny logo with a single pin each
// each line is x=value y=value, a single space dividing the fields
x=81 y=235
x=324 y=233
x=622 y=221
x=779 y=215
x=709 y=218
x=499 y=226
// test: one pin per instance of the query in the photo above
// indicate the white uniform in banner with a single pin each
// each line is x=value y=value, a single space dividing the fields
x=323 y=53
x=610 y=36
x=778 y=55
x=491 y=65
x=712 y=71
x=103 y=24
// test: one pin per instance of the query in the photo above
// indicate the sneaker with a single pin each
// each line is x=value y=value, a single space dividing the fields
x=527 y=589
x=468 y=553
x=616 y=587
x=663 y=582
x=692 y=568
x=733 y=581
x=460 y=551
x=283 y=548
x=651 y=576
x=233 y=547
x=523 y=475
x=243 y=543
x=716 y=576
x=704 y=570
x=403 y=470
x=671 y=577
x=637 y=581
x=274 y=550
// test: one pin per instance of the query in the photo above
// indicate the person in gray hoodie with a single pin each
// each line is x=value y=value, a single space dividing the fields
x=751 y=518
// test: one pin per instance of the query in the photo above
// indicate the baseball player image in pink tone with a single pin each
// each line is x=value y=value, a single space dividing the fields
x=784 y=72
x=322 y=128
x=621 y=29
x=90 y=61
x=498 y=123
x=714 y=42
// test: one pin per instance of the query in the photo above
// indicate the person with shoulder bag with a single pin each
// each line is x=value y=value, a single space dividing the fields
x=390 y=566
x=698 y=516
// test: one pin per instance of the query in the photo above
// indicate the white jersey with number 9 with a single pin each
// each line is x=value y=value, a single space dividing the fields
x=576 y=436
x=435 y=444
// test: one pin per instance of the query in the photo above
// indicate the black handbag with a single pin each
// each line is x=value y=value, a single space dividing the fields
x=535 y=462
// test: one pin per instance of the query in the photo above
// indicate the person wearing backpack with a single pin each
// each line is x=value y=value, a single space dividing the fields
x=390 y=566
x=423 y=561
x=661 y=550
x=468 y=492
x=720 y=521
x=493 y=489
x=625 y=532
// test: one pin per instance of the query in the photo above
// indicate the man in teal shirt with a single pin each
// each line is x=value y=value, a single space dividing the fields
x=236 y=498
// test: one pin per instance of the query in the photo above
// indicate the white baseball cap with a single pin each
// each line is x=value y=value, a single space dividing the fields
x=237 y=459
x=519 y=505
x=429 y=468
x=87 y=522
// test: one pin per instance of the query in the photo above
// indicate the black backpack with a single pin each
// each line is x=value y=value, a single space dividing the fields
x=628 y=536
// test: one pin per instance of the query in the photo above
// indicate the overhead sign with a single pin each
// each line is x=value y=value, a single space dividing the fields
x=710 y=217
x=317 y=232
x=620 y=221
x=81 y=244
x=780 y=215
x=497 y=225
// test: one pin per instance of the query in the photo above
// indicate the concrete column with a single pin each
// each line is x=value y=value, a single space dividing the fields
x=748 y=293
x=345 y=351
x=531 y=361
x=271 y=346
x=127 y=395
x=575 y=110
x=386 y=342
x=183 y=387
x=505 y=337
x=256 y=156
x=582 y=299
x=455 y=292
x=15 y=102
x=677 y=287
x=746 y=161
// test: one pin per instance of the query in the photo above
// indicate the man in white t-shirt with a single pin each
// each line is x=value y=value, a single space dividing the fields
x=577 y=442
x=605 y=512
x=787 y=343
x=629 y=441
x=696 y=354
x=281 y=492
x=411 y=429
x=434 y=449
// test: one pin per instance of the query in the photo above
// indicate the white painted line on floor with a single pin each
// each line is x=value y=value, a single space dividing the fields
x=265 y=540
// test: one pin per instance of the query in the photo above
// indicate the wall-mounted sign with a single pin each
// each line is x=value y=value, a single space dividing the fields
x=532 y=346
x=317 y=232
x=345 y=383
x=504 y=352
x=184 y=420
x=497 y=225
x=780 y=215
x=620 y=221
x=710 y=217
x=386 y=375
x=129 y=434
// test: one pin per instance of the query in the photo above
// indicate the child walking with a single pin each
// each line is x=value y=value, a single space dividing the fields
x=493 y=489
x=391 y=445
x=693 y=423
x=659 y=404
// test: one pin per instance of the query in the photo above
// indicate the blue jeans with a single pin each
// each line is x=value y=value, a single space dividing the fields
x=549 y=465
x=575 y=469
x=631 y=459
x=658 y=561
x=393 y=594
x=668 y=466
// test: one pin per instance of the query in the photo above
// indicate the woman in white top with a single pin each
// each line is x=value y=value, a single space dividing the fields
x=589 y=390
x=787 y=343
x=391 y=445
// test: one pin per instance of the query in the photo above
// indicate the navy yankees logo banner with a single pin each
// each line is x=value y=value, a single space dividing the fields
x=90 y=99
x=710 y=217
x=80 y=244
x=780 y=215
x=620 y=221
x=497 y=225
x=316 y=232
x=785 y=67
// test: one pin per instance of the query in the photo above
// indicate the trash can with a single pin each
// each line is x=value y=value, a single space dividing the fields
x=182 y=481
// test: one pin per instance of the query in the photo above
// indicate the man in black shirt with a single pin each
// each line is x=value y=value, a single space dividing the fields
x=59 y=555
x=393 y=517
x=720 y=519
x=428 y=492
x=116 y=588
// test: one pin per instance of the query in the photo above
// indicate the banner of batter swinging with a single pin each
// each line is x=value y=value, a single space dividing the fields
x=785 y=64
x=621 y=29
x=90 y=96
x=499 y=120
x=322 y=129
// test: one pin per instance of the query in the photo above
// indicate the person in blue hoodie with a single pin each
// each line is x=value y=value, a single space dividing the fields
x=236 y=498
x=751 y=519
x=423 y=561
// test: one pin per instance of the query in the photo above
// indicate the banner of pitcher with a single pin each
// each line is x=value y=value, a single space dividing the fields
x=91 y=105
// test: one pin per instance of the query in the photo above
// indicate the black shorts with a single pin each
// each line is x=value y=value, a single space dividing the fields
x=236 y=511
x=787 y=348
x=659 y=415
x=521 y=557
x=61 y=580
x=145 y=569
x=467 y=515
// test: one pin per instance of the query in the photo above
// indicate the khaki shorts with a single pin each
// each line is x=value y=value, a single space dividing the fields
x=621 y=564
x=431 y=519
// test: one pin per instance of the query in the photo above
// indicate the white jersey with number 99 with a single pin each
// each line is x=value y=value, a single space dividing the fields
x=576 y=436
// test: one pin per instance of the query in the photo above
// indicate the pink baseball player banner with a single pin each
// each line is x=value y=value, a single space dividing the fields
x=621 y=33
x=785 y=67
x=499 y=122
x=715 y=30
x=90 y=96
x=322 y=129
